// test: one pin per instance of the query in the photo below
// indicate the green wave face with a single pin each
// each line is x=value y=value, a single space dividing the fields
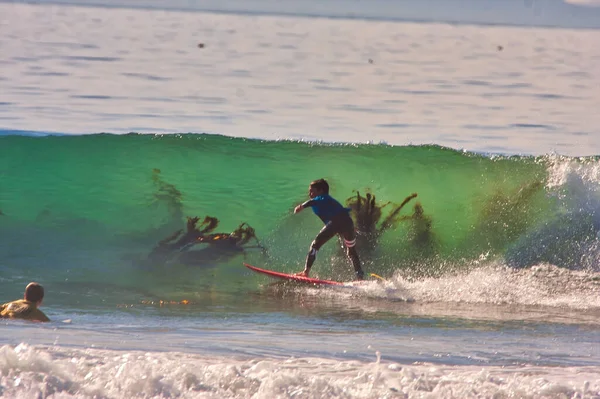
x=91 y=208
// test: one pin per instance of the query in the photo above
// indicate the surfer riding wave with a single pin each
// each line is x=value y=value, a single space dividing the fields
x=337 y=221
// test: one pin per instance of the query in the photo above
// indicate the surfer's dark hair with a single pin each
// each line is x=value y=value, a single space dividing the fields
x=320 y=185
x=34 y=292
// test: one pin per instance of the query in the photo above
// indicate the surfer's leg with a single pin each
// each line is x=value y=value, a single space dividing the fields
x=353 y=256
x=349 y=236
x=324 y=235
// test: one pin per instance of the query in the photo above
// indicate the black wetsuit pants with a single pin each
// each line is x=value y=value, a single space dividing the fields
x=341 y=224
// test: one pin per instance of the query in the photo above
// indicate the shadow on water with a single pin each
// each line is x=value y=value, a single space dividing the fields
x=502 y=220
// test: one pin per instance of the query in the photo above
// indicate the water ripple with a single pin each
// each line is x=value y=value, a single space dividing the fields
x=533 y=126
x=145 y=76
x=269 y=77
x=88 y=58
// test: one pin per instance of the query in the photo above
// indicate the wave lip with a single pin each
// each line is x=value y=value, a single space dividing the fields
x=29 y=133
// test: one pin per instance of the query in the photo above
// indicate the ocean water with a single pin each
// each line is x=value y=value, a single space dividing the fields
x=115 y=126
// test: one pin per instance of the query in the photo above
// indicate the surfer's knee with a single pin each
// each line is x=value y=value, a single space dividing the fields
x=350 y=243
x=314 y=247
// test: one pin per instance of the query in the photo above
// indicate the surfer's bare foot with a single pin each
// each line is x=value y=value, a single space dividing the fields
x=303 y=273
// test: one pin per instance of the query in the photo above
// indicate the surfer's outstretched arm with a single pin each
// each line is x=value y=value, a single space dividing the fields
x=303 y=205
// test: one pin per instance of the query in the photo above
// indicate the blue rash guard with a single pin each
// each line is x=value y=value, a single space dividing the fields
x=325 y=207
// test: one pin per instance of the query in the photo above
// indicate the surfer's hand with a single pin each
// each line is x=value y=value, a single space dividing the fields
x=298 y=208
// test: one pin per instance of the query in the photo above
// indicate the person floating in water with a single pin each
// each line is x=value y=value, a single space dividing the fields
x=337 y=221
x=27 y=308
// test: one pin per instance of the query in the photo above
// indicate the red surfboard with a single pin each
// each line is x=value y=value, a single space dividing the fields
x=300 y=279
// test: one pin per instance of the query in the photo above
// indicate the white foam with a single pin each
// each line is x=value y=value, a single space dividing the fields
x=543 y=285
x=492 y=284
x=29 y=372
x=569 y=238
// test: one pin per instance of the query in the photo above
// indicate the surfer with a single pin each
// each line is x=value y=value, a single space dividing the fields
x=337 y=221
x=26 y=308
